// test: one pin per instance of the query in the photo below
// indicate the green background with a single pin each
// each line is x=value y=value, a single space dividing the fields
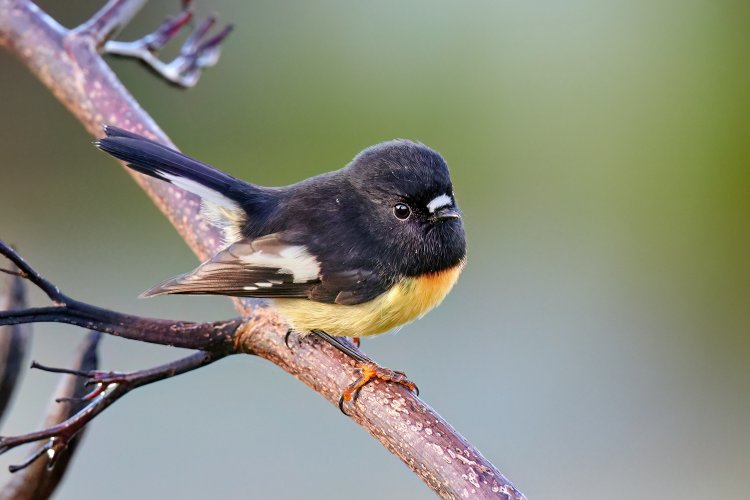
x=596 y=345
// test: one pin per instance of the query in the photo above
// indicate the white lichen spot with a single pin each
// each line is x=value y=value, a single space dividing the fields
x=428 y=431
x=473 y=478
x=399 y=405
x=510 y=491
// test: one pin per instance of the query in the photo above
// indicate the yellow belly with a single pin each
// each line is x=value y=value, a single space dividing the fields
x=410 y=299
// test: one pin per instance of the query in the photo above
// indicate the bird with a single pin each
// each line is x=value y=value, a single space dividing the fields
x=353 y=252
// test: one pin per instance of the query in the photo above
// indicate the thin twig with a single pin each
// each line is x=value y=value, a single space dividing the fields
x=217 y=336
x=110 y=386
x=26 y=271
x=110 y=19
x=38 y=479
x=198 y=51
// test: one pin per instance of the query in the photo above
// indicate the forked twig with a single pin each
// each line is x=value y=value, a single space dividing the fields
x=198 y=52
x=37 y=479
x=108 y=387
x=217 y=336
x=215 y=339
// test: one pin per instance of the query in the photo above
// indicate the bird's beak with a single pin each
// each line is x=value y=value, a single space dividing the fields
x=447 y=213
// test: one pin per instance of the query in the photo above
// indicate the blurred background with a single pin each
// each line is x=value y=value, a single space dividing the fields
x=597 y=344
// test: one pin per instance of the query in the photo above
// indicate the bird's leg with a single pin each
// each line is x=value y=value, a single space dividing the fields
x=368 y=369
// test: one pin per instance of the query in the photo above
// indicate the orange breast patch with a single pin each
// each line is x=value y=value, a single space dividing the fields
x=406 y=301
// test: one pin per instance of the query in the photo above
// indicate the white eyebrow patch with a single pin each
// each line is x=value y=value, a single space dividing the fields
x=439 y=202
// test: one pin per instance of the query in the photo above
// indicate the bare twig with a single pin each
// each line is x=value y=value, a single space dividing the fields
x=37 y=479
x=108 y=387
x=14 y=339
x=26 y=271
x=217 y=336
x=110 y=19
x=405 y=425
x=198 y=51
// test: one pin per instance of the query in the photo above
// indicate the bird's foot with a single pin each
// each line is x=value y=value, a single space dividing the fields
x=369 y=371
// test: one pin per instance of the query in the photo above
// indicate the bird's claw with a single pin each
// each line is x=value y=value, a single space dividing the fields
x=368 y=372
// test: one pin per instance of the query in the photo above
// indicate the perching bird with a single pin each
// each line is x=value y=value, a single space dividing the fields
x=353 y=252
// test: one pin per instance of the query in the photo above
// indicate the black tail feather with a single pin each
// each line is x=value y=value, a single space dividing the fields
x=151 y=158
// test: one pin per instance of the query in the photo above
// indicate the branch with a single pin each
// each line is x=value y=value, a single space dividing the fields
x=217 y=336
x=405 y=425
x=216 y=340
x=38 y=480
x=198 y=51
x=108 y=388
x=110 y=19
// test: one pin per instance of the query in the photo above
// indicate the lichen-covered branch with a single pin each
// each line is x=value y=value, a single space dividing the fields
x=409 y=428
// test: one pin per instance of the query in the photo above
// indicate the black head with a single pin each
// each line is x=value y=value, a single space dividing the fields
x=412 y=212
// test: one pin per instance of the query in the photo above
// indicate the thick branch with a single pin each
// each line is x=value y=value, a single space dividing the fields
x=400 y=420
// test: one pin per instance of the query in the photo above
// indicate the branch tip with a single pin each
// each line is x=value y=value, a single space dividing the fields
x=195 y=55
x=66 y=371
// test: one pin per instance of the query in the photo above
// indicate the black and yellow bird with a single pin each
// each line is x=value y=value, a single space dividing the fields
x=349 y=253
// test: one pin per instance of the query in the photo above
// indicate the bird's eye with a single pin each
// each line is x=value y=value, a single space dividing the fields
x=401 y=211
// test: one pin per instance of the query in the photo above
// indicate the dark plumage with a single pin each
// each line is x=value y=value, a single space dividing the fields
x=336 y=238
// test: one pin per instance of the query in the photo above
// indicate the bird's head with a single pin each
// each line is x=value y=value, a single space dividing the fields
x=408 y=193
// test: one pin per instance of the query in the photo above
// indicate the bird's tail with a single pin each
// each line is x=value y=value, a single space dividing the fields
x=223 y=195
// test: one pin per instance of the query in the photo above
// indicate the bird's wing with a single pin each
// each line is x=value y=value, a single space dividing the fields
x=272 y=266
x=264 y=267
